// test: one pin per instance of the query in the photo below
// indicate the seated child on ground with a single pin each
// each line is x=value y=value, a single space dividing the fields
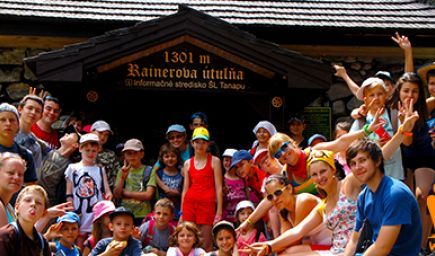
x=185 y=241
x=224 y=237
x=67 y=228
x=253 y=234
x=100 y=225
x=21 y=237
x=122 y=243
x=155 y=232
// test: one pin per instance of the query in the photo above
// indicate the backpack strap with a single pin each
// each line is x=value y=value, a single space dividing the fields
x=41 y=240
x=150 y=233
x=146 y=175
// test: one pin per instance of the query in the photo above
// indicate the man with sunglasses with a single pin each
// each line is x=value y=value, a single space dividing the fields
x=43 y=127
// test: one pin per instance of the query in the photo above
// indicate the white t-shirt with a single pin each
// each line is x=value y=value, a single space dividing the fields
x=87 y=190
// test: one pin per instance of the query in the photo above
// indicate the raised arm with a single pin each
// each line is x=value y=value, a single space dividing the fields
x=340 y=71
x=406 y=46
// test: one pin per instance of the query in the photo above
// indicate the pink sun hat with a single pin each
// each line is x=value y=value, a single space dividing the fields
x=102 y=208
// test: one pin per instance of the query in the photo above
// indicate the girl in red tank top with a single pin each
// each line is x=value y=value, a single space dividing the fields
x=202 y=190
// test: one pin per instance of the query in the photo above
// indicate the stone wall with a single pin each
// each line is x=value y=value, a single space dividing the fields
x=339 y=97
x=15 y=77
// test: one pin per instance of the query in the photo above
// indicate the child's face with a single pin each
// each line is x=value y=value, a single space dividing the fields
x=12 y=175
x=243 y=169
x=31 y=207
x=376 y=94
x=244 y=214
x=89 y=152
x=122 y=227
x=186 y=239
x=133 y=157
x=409 y=91
x=262 y=135
x=226 y=162
x=225 y=240
x=103 y=136
x=170 y=159
x=69 y=232
x=177 y=139
x=162 y=216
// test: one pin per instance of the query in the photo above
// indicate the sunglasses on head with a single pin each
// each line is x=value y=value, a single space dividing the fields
x=277 y=193
x=317 y=154
x=281 y=150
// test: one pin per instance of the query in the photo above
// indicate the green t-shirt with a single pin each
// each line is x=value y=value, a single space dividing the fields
x=134 y=182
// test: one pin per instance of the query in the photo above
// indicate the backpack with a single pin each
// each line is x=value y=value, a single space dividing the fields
x=40 y=238
x=150 y=232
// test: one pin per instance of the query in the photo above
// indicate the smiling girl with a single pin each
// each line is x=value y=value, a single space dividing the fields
x=185 y=241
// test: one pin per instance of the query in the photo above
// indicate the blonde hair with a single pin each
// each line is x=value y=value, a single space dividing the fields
x=33 y=188
x=190 y=226
x=8 y=155
x=276 y=142
x=166 y=203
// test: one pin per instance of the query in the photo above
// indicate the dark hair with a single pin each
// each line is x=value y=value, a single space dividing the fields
x=344 y=126
x=200 y=115
x=368 y=146
x=224 y=227
x=419 y=105
x=51 y=98
x=429 y=74
x=282 y=180
x=167 y=148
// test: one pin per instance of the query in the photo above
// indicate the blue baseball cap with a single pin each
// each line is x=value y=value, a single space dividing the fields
x=176 y=128
x=239 y=156
x=69 y=217
x=316 y=136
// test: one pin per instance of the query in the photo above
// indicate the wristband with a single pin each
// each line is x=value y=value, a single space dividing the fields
x=250 y=221
x=406 y=134
x=267 y=248
x=366 y=129
x=68 y=195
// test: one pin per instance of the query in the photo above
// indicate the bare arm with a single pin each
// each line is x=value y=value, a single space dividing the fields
x=351 y=244
x=107 y=191
x=119 y=186
x=341 y=72
x=406 y=46
x=385 y=241
x=146 y=195
x=263 y=207
x=344 y=141
x=186 y=183
x=290 y=236
x=394 y=143
x=69 y=190
x=217 y=170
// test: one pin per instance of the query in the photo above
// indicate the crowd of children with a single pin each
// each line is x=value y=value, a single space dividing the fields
x=285 y=194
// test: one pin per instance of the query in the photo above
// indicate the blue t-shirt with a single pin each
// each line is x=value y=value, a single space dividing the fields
x=392 y=204
x=64 y=251
x=133 y=247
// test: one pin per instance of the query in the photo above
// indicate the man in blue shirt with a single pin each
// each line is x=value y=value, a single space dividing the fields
x=386 y=203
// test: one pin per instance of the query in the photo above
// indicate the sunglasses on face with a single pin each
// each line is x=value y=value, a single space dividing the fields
x=277 y=193
x=284 y=147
